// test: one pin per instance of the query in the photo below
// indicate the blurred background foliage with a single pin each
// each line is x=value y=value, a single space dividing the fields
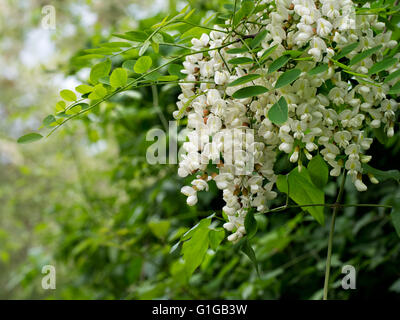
x=86 y=201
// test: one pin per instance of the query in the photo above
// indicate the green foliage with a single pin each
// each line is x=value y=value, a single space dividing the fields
x=250 y=224
x=395 y=216
x=100 y=70
x=118 y=77
x=30 y=137
x=318 y=69
x=279 y=112
x=109 y=221
x=302 y=190
x=68 y=95
x=287 y=78
x=143 y=64
x=249 y=92
x=365 y=54
x=319 y=171
x=244 y=79
x=278 y=63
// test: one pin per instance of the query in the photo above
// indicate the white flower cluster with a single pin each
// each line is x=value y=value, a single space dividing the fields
x=333 y=120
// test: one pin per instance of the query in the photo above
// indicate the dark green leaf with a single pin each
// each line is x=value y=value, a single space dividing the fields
x=318 y=69
x=249 y=252
x=392 y=76
x=216 y=236
x=49 y=120
x=395 y=216
x=237 y=50
x=381 y=175
x=278 y=63
x=382 y=65
x=249 y=92
x=278 y=114
x=395 y=89
x=175 y=70
x=244 y=79
x=30 y=137
x=319 y=171
x=346 y=50
x=303 y=192
x=241 y=60
x=258 y=38
x=287 y=78
x=362 y=55
x=250 y=224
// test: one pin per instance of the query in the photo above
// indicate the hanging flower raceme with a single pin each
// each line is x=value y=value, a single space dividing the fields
x=298 y=77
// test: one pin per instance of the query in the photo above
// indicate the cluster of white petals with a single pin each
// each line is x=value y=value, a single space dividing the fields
x=331 y=113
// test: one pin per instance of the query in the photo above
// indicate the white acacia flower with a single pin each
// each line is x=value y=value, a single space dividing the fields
x=327 y=113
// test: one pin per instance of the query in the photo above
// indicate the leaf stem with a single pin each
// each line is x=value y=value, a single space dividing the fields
x=330 y=241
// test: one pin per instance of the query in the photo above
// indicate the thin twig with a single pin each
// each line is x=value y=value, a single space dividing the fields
x=330 y=241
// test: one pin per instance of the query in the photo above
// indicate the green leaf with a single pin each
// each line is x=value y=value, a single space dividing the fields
x=74 y=110
x=292 y=53
x=83 y=89
x=175 y=70
x=382 y=65
x=278 y=114
x=49 y=120
x=244 y=79
x=258 y=38
x=30 y=137
x=129 y=64
x=362 y=55
x=195 y=32
x=392 y=76
x=267 y=52
x=395 y=89
x=318 y=69
x=249 y=252
x=100 y=70
x=287 y=78
x=241 y=60
x=167 y=78
x=319 y=171
x=195 y=248
x=249 y=92
x=60 y=106
x=203 y=223
x=143 y=64
x=395 y=216
x=98 y=92
x=237 y=50
x=68 y=95
x=118 y=77
x=160 y=228
x=346 y=50
x=136 y=36
x=250 y=224
x=215 y=237
x=278 y=63
x=381 y=175
x=303 y=192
